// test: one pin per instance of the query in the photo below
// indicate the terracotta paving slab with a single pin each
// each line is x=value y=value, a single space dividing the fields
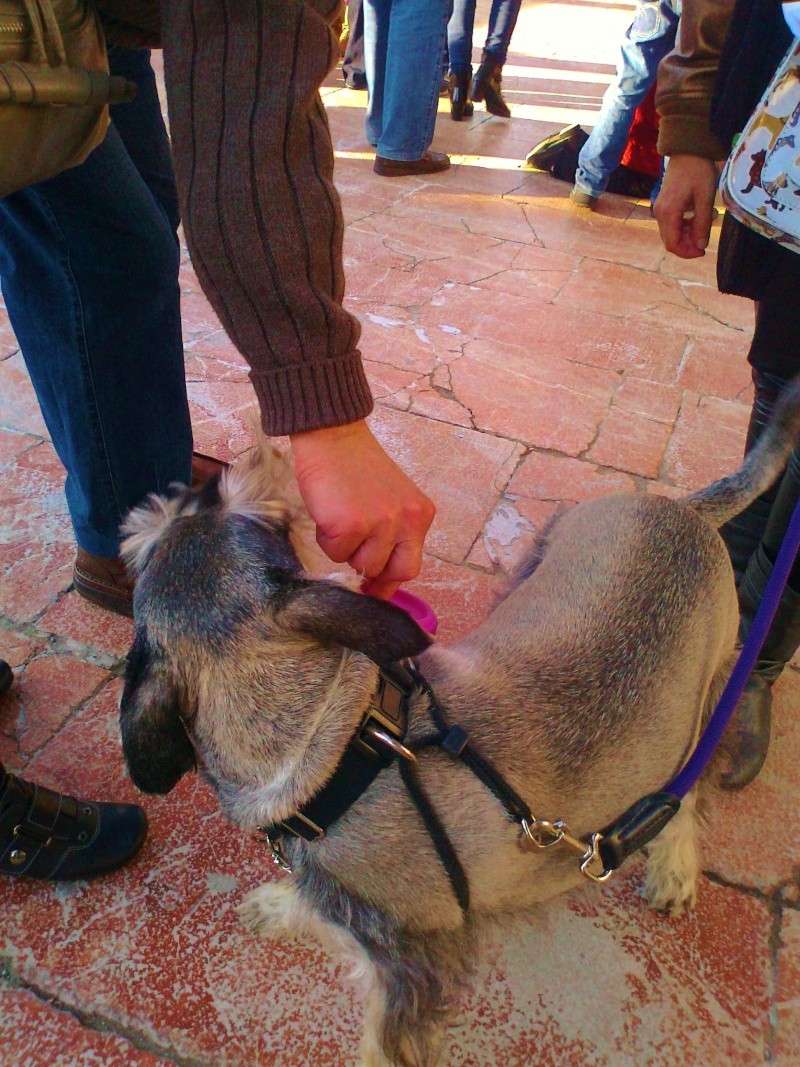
x=33 y=1033
x=524 y=356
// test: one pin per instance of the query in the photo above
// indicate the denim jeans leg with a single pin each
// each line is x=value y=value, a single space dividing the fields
x=376 y=14
x=459 y=36
x=502 y=23
x=648 y=40
x=413 y=75
x=89 y=267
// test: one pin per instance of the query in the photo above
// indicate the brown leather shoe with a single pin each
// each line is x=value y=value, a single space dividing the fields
x=205 y=467
x=106 y=582
x=103 y=581
x=430 y=163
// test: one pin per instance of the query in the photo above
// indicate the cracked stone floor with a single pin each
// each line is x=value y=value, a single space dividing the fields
x=523 y=357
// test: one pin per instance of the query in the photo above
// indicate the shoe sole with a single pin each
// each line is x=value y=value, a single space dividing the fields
x=589 y=202
x=103 y=597
x=408 y=173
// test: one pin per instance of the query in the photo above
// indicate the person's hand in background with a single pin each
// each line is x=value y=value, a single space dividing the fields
x=685 y=205
x=368 y=513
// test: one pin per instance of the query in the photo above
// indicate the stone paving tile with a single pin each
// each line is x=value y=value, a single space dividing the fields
x=511 y=533
x=36 y=549
x=45 y=694
x=555 y=478
x=443 y=459
x=717 y=368
x=32 y=576
x=18 y=407
x=60 y=1039
x=86 y=624
x=13 y=444
x=630 y=442
x=689 y=461
x=540 y=399
x=223 y=413
x=568 y=334
x=653 y=400
x=787 y=999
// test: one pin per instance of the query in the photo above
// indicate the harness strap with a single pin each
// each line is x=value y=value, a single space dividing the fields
x=455 y=741
x=438 y=834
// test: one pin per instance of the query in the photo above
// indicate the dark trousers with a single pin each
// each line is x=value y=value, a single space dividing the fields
x=89 y=269
x=750 y=265
x=353 y=69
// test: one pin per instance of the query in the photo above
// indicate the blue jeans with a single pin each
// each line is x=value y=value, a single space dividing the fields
x=403 y=44
x=89 y=268
x=502 y=20
x=649 y=38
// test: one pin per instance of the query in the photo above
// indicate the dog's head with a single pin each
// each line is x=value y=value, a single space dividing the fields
x=226 y=617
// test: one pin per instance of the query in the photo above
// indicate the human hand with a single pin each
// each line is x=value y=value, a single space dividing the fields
x=368 y=513
x=685 y=205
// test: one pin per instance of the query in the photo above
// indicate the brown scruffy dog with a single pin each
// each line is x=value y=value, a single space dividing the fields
x=585 y=687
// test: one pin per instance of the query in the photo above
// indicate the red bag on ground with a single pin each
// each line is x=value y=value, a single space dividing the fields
x=640 y=152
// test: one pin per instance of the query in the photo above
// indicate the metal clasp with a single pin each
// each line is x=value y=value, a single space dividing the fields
x=375 y=733
x=592 y=856
x=276 y=850
x=544 y=834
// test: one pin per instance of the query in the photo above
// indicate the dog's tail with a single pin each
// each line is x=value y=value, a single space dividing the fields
x=722 y=500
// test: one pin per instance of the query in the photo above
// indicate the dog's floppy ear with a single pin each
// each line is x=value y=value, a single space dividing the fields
x=157 y=749
x=335 y=615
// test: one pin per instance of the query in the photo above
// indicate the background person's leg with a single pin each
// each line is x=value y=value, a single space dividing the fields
x=353 y=68
x=650 y=37
x=489 y=77
x=89 y=266
x=502 y=23
x=754 y=537
x=413 y=77
x=376 y=14
x=459 y=36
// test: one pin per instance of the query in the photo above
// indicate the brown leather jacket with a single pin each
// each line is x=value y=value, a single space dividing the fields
x=686 y=81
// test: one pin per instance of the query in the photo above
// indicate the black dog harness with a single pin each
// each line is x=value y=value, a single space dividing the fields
x=380 y=740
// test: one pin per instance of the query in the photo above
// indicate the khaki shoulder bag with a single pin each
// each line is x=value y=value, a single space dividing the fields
x=55 y=88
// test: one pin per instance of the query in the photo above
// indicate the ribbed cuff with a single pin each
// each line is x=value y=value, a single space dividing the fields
x=312 y=396
x=689 y=135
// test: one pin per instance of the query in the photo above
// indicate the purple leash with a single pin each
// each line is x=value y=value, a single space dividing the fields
x=757 y=635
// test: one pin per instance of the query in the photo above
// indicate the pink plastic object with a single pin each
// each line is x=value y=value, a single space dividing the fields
x=419 y=610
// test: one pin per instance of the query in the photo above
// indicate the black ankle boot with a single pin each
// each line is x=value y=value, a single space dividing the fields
x=49 y=836
x=487 y=86
x=750 y=729
x=460 y=103
x=6 y=677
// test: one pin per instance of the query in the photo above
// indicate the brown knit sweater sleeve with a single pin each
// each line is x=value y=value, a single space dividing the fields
x=263 y=221
x=686 y=81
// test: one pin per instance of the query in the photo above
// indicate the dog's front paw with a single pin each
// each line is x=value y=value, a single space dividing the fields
x=270 y=910
x=669 y=892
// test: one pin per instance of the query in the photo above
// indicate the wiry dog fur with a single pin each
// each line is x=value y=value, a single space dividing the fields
x=586 y=687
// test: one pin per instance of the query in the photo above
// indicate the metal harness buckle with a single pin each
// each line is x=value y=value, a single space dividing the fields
x=276 y=850
x=544 y=834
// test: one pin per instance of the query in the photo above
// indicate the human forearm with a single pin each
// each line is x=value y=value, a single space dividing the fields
x=263 y=220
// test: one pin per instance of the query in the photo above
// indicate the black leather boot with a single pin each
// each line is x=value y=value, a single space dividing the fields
x=749 y=731
x=487 y=85
x=6 y=677
x=460 y=103
x=50 y=836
